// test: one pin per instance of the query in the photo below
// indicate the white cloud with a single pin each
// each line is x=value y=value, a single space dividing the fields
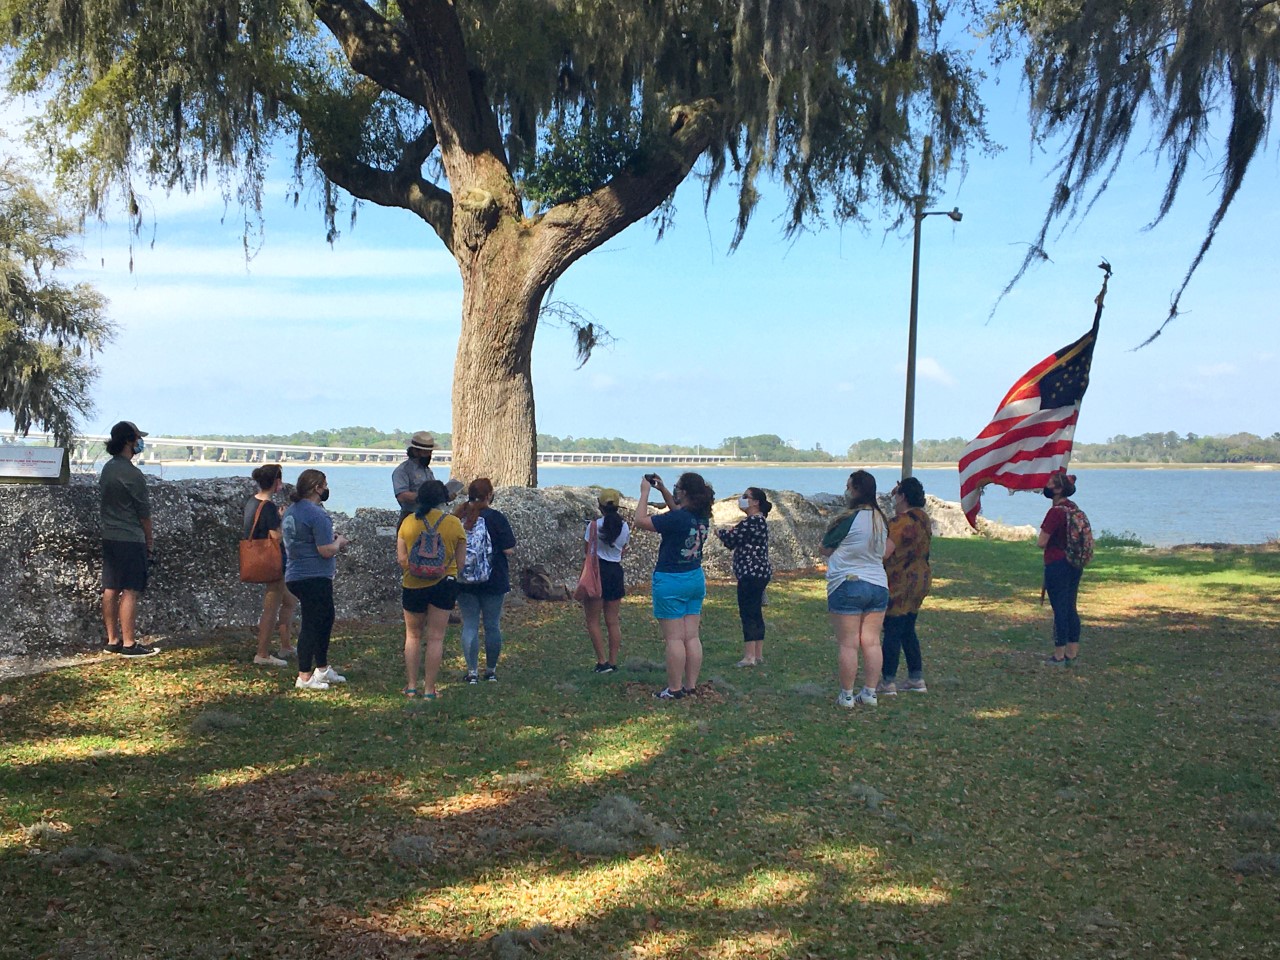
x=1222 y=369
x=928 y=368
x=275 y=261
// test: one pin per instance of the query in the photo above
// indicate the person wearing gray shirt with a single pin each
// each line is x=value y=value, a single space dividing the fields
x=414 y=472
x=126 y=539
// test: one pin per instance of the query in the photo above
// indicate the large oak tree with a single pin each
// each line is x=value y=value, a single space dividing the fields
x=48 y=329
x=524 y=133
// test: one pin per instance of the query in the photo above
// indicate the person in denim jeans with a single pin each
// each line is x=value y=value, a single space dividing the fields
x=479 y=602
x=910 y=577
x=856 y=545
x=1061 y=579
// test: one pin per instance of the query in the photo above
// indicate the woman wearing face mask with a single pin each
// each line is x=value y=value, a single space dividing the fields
x=856 y=545
x=310 y=549
x=679 y=585
x=262 y=522
x=1061 y=579
x=749 y=541
x=610 y=538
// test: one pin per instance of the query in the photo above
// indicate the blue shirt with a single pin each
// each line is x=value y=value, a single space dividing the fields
x=307 y=526
x=683 y=535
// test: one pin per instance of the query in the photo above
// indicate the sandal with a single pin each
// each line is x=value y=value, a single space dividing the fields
x=429 y=696
x=410 y=692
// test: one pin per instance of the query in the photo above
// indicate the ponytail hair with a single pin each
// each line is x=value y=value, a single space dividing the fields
x=479 y=490
x=612 y=526
x=267 y=475
x=309 y=481
x=760 y=497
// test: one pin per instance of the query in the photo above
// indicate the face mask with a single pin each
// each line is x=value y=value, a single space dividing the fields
x=139 y=446
x=850 y=499
x=325 y=495
x=1049 y=492
x=743 y=503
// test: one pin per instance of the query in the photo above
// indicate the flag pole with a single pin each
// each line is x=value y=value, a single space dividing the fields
x=1105 y=267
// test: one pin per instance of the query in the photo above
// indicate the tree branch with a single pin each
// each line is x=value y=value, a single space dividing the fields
x=571 y=230
x=375 y=48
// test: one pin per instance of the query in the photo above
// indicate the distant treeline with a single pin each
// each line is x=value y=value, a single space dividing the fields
x=1146 y=448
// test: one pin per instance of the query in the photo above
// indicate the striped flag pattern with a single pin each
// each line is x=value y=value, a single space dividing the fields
x=1031 y=434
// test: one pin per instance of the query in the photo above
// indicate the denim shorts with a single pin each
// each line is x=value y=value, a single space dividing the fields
x=854 y=597
x=677 y=595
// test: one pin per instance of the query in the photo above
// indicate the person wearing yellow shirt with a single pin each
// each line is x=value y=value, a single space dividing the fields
x=427 y=601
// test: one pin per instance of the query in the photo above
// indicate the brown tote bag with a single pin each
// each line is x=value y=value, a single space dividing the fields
x=261 y=561
x=589 y=583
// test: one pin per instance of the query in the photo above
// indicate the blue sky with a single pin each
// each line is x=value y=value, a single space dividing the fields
x=804 y=339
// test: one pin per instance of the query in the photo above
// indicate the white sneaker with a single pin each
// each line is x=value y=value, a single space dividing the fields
x=270 y=661
x=846 y=699
x=315 y=683
x=329 y=675
x=866 y=699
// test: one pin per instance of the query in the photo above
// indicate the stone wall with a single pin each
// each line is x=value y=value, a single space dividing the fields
x=50 y=549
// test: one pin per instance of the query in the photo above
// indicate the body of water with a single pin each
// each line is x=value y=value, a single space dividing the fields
x=1161 y=507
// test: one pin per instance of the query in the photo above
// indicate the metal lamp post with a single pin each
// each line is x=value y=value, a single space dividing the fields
x=908 y=427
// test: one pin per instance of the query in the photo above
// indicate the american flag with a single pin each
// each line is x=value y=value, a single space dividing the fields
x=1031 y=434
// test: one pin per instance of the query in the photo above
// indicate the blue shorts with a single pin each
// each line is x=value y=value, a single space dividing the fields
x=855 y=597
x=677 y=595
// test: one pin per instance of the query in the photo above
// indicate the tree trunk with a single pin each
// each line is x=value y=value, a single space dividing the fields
x=494 y=432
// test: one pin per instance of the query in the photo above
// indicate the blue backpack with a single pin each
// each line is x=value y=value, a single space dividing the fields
x=479 y=565
x=428 y=557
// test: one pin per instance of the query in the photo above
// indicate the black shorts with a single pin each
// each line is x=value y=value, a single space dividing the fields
x=443 y=595
x=124 y=565
x=611 y=585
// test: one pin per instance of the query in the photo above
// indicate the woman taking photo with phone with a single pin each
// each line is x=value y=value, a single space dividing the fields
x=679 y=585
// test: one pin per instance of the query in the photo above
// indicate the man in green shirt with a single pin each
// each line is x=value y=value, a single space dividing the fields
x=126 y=539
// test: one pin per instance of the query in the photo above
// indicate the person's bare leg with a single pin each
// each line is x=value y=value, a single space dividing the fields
x=412 y=647
x=271 y=601
x=128 y=616
x=437 y=622
x=872 y=652
x=692 y=651
x=288 y=603
x=754 y=651
x=846 y=631
x=673 y=638
x=591 y=610
x=111 y=615
x=613 y=622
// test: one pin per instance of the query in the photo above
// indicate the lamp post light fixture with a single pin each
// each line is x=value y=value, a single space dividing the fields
x=908 y=427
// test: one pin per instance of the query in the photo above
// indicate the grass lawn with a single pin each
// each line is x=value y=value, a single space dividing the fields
x=193 y=805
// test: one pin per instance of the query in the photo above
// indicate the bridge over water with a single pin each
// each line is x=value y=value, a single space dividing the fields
x=195 y=450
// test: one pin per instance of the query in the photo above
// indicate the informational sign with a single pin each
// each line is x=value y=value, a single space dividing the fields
x=386 y=531
x=20 y=464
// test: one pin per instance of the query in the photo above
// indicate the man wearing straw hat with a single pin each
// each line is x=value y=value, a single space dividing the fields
x=415 y=471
